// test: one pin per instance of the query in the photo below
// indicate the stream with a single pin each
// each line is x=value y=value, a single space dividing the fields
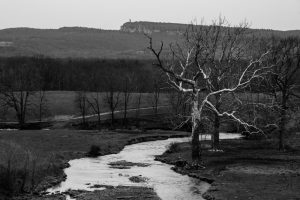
x=169 y=185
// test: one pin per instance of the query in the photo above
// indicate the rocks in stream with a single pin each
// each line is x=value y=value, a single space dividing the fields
x=186 y=165
x=138 y=179
x=99 y=186
x=113 y=193
x=181 y=163
x=123 y=164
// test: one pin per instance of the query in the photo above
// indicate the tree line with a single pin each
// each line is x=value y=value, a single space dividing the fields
x=21 y=78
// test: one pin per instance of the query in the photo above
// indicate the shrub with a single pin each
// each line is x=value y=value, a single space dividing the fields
x=21 y=170
x=173 y=148
x=94 y=151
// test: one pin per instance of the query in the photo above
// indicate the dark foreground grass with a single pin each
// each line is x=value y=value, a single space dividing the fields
x=245 y=170
x=36 y=159
x=111 y=193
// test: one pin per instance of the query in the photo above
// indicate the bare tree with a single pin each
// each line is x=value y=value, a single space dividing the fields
x=189 y=72
x=156 y=94
x=138 y=106
x=81 y=103
x=285 y=57
x=95 y=102
x=17 y=89
x=179 y=102
x=42 y=104
x=127 y=92
x=112 y=97
x=41 y=82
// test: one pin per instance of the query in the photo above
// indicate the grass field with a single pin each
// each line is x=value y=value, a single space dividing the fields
x=61 y=104
x=245 y=169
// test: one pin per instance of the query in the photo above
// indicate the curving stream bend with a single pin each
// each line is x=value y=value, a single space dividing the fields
x=168 y=184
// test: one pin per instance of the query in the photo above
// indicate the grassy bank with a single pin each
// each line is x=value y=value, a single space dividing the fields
x=42 y=155
x=111 y=193
x=245 y=170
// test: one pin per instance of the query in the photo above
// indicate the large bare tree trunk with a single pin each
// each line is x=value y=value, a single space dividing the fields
x=195 y=134
x=216 y=132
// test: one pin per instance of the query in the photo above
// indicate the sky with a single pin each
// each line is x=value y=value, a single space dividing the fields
x=111 y=14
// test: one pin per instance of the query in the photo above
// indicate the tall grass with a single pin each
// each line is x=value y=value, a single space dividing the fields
x=21 y=170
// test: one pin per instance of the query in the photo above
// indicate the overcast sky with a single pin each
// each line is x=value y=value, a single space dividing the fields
x=111 y=14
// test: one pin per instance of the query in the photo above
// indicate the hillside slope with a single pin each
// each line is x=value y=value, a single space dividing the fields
x=129 y=42
x=75 y=42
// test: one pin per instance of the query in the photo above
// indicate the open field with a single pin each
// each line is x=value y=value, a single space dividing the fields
x=51 y=150
x=61 y=104
x=245 y=170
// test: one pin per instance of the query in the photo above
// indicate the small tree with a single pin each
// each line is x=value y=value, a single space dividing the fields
x=127 y=84
x=156 y=94
x=112 y=97
x=41 y=82
x=95 y=102
x=81 y=103
x=17 y=89
x=42 y=104
x=285 y=57
x=179 y=102
x=138 y=102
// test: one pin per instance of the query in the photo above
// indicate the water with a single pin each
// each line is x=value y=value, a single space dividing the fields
x=168 y=184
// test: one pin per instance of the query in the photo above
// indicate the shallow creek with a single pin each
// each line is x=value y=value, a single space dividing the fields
x=169 y=185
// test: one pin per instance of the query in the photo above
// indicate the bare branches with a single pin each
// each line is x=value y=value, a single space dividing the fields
x=212 y=60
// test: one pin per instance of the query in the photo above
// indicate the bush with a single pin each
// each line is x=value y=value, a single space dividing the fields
x=94 y=151
x=173 y=148
x=255 y=136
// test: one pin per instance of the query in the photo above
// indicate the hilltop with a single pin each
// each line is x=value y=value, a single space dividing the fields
x=128 y=42
x=175 y=28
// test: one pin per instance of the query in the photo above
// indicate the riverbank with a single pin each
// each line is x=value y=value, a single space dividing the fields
x=244 y=170
x=119 y=192
x=111 y=193
x=57 y=147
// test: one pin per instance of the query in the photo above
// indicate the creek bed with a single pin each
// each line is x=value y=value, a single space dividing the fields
x=84 y=173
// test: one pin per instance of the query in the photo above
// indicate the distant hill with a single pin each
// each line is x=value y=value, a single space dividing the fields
x=128 y=42
x=75 y=42
x=175 y=28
